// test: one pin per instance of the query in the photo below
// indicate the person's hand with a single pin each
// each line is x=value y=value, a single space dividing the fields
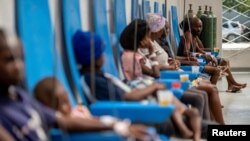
x=174 y=67
x=193 y=59
x=214 y=61
x=208 y=57
x=178 y=63
x=192 y=63
x=171 y=62
x=159 y=86
x=139 y=132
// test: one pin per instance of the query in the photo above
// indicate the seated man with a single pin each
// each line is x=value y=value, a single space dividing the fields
x=191 y=45
x=24 y=118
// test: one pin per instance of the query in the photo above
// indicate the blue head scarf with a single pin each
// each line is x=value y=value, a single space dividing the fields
x=82 y=44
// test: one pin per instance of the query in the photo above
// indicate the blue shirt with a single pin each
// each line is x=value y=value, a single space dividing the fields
x=105 y=89
x=24 y=118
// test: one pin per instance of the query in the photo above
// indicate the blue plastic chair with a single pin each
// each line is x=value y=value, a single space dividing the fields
x=71 y=23
x=35 y=30
x=145 y=8
x=175 y=26
x=156 y=7
x=164 y=11
x=135 y=9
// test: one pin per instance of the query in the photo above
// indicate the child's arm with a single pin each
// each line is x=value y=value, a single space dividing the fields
x=122 y=128
x=140 y=94
x=4 y=135
x=154 y=72
x=69 y=123
x=168 y=67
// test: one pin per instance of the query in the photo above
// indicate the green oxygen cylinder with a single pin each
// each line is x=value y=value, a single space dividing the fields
x=199 y=12
x=214 y=20
x=207 y=31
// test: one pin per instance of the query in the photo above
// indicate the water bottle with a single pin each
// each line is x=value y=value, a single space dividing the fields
x=176 y=89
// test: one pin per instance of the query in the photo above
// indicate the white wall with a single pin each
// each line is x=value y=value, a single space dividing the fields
x=85 y=14
x=7 y=20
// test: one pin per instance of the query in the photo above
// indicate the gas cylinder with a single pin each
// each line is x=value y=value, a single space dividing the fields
x=190 y=13
x=207 y=31
x=214 y=21
x=199 y=13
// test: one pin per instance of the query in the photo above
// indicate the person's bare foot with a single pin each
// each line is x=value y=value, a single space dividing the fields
x=196 y=137
x=241 y=85
x=186 y=133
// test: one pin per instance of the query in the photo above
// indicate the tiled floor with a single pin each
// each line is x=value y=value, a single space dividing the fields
x=236 y=105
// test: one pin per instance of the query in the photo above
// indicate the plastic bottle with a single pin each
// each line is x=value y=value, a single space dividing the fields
x=176 y=89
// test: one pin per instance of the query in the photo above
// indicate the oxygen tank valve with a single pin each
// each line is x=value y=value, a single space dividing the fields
x=206 y=11
x=191 y=12
x=190 y=6
x=210 y=8
x=206 y=7
x=200 y=7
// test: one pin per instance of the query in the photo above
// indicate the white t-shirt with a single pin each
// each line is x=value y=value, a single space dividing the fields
x=161 y=55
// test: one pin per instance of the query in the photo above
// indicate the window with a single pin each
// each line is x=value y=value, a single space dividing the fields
x=234 y=24
x=225 y=25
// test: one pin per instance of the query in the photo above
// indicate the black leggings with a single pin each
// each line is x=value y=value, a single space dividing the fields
x=197 y=99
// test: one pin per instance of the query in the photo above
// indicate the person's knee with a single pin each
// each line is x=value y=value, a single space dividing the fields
x=216 y=71
x=199 y=100
x=193 y=112
x=224 y=62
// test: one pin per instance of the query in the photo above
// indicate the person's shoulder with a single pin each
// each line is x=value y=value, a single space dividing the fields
x=98 y=76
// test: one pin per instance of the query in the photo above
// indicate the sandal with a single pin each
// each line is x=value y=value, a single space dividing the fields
x=233 y=90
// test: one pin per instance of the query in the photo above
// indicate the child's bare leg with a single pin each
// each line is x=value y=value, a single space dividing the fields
x=195 y=123
x=178 y=120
